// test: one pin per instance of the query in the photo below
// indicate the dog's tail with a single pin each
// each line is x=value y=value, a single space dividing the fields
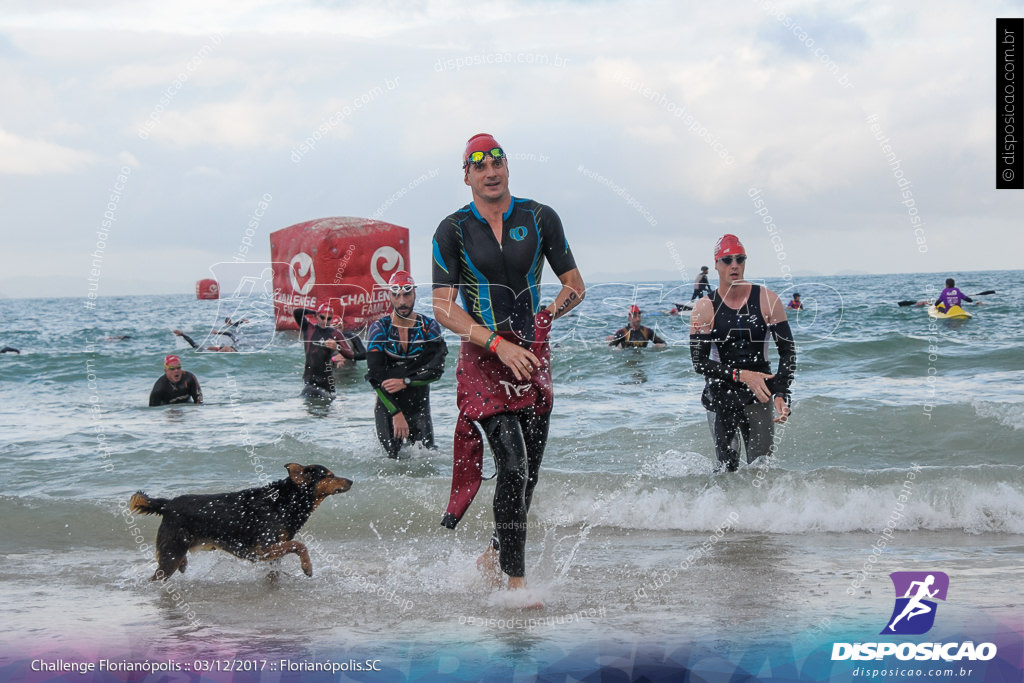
x=140 y=502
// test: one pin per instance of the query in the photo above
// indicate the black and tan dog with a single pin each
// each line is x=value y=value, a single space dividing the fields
x=255 y=524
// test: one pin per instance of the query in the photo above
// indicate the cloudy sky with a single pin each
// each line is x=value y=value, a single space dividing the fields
x=853 y=136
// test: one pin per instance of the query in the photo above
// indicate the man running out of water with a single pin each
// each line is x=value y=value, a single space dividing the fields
x=729 y=335
x=491 y=253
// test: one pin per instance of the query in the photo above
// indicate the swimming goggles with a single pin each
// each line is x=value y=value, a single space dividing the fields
x=401 y=289
x=727 y=260
x=477 y=158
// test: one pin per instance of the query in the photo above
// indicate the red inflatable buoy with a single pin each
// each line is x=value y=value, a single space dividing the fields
x=207 y=289
x=344 y=262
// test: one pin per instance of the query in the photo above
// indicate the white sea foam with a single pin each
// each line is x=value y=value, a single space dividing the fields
x=1008 y=414
x=833 y=500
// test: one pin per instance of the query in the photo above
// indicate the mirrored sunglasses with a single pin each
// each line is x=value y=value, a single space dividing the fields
x=477 y=158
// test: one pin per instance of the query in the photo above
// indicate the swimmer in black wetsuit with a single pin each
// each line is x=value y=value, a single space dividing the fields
x=492 y=253
x=729 y=334
x=404 y=354
x=229 y=325
x=321 y=341
x=195 y=346
x=230 y=328
x=701 y=286
x=635 y=335
x=176 y=386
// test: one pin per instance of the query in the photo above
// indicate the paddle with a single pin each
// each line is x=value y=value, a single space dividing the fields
x=911 y=302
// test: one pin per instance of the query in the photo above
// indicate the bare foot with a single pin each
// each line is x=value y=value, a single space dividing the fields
x=519 y=583
x=487 y=564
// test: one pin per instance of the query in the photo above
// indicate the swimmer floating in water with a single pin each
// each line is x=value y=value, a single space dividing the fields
x=195 y=346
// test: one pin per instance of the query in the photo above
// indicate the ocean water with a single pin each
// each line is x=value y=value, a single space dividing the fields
x=903 y=454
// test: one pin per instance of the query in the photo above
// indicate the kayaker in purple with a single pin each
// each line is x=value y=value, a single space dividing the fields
x=951 y=296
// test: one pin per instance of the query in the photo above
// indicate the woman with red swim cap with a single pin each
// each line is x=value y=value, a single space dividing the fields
x=729 y=334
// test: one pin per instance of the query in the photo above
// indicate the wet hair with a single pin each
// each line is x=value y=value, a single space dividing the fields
x=950 y=282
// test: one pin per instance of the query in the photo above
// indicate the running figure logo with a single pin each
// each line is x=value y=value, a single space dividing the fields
x=914 y=612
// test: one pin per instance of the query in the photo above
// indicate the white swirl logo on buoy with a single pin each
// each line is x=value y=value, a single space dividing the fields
x=392 y=261
x=301 y=266
x=213 y=288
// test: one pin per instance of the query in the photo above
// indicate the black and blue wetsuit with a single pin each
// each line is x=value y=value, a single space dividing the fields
x=418 y=364
x=499 y=285
x=739 y=341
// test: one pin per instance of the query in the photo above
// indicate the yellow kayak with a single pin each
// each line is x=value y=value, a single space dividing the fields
x=954 y=313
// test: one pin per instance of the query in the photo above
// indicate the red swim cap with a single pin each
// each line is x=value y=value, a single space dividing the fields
x=635 y=309
x=171 y=360
x=728 y=245
x=481 y=142
x=400 y=278
x=324 y=308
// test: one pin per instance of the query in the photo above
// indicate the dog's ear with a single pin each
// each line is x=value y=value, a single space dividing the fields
x=297 y=473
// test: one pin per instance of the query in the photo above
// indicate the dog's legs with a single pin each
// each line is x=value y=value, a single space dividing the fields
x=171 y=554
x=168 y=564
x=281 y=549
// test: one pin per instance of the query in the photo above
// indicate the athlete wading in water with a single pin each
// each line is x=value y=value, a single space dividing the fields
x=321 y=342
x=405 y=352
x=729 y=333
